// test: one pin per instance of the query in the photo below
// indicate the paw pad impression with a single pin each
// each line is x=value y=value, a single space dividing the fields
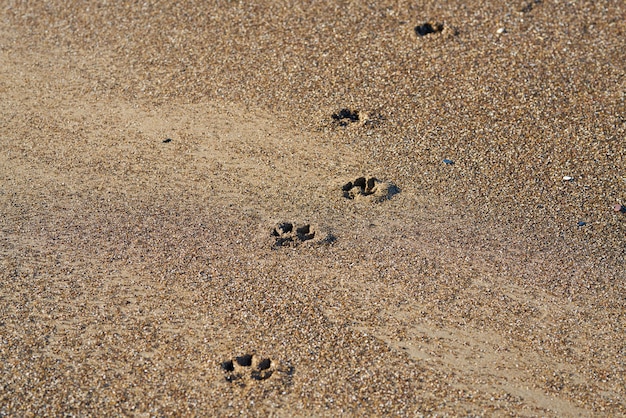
x=371 y=188
x=248 y=367
x=287 y=234
x=427 y=28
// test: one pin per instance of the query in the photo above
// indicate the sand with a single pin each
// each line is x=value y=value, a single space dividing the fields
x=178 y=237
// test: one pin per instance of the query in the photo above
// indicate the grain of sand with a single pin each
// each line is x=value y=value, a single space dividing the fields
x=139 y=275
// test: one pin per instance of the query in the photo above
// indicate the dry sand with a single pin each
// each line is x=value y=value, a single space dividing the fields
x=147 y=277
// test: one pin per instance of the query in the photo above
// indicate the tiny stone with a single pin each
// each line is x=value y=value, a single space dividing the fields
x=448 y=162
x=501 y=31
x=582 y=223
x=568 y=178
x=167 y=140
x=619 y=208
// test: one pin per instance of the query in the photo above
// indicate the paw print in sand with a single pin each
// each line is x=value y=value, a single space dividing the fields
x=346 y=116
x=248 y=367
x=370 y=188
x=287 y=234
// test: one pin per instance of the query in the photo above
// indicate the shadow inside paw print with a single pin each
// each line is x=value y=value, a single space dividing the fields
x=430 y=29
x=346 y=116
x=352 y=117
x=287 y=234
x=371 y=188
x=427 y=28
x=248 y=367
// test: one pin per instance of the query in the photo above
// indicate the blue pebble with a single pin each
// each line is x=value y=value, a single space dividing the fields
x=581 y=223
x=448 y=162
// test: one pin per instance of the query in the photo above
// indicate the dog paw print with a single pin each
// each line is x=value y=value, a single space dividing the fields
x=248 y=367
x=428 y=28
x=352 y=117
x=287 y=234
x=346 y=116
x=370 y=188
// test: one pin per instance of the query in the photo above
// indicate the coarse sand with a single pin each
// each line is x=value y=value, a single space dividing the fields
x=298 y=208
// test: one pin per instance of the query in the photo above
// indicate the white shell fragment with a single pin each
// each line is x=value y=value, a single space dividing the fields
x=568 y=178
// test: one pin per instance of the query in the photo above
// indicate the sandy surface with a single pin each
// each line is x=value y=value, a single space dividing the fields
x=178 y=236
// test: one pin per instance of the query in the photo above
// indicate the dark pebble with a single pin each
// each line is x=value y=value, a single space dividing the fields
x=581 y=223
x=167 y=140
x=448 y=162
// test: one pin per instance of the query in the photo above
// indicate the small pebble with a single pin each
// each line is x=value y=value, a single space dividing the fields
x=166 y=140
x=568 y=178
x=619 y=208
x=501 y=31
x=448 y=162
x=582 y=223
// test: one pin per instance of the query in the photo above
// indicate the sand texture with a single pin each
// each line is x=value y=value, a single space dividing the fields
x=298 y=208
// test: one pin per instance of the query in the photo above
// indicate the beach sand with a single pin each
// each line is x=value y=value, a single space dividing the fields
x=179 y=235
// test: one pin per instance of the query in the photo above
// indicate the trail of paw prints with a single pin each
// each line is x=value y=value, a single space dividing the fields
x=370 y=188
x=287 y=234
x=249 y=368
